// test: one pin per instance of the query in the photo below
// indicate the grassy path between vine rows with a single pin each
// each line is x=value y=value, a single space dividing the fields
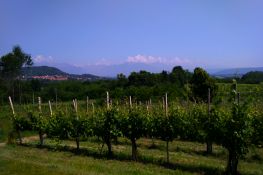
x=62 y=158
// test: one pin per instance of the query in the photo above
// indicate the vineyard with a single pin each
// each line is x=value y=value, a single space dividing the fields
x=131 y=87
x=232 y=131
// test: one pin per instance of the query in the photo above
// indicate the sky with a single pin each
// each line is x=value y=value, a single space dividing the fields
x=213 y=34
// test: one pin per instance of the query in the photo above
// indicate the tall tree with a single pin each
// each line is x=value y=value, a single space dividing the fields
x=178 y=76
x=12 y=64
x=14 y=61
x=200 y=83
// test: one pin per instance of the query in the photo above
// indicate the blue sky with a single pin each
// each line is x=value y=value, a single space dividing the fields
x=207 y=33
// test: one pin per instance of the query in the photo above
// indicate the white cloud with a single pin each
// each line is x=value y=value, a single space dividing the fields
x=43 y=59
x=151 y=59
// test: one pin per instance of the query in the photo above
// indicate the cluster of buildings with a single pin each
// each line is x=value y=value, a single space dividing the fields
x=51 y=77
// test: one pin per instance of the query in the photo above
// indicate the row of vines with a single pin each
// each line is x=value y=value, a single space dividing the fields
x=236 y=127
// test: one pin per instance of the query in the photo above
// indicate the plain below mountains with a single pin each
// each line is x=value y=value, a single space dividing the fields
x=52 y=73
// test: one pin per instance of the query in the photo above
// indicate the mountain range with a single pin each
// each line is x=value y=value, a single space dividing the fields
x=112 y=71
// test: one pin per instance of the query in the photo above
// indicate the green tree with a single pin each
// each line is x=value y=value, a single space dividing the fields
x=79 y=128
x=39 y=124
x=178 y=76
x=258 y=127
x=142 y=78
x=237 y=133
x=166 y=131
x=132 y=127
x=252 y=77
x=35 y=85
x=59 y=126
x=14 y=61
x=12 y=64
x=200 y=83
x=105 y=126
x=121 y=80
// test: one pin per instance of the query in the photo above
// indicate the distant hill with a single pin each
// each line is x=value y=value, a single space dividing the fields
x=53 y=73
x=41 y=71
x=252 y=77
x=236 y=72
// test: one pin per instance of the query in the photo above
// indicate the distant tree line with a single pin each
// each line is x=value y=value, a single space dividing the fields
x=253 y=77
x=179 y=84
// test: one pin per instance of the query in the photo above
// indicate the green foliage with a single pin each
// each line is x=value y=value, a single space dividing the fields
x=165 y=127
x=59 y=126
x=238 y=130
x=257 y=122
x=106 y=123
x=21 y=123
x=193 y=129
x=35 y=85
x=151 y=123
x=39 y=124
x=200 y=83
x=179 y=76
x=236 y=135
x=179 y=119
x=252 y=77
x=142 y=78
x=105 y=126
x=14 y=61
x=80 y=128
x=132 y=124
x=38 y=121
x=235 y=127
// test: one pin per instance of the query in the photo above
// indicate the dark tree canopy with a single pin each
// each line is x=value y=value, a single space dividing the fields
x=14 y=61
x=141 y=78
x=200 y=83
x=252 y=77
x=179 y=76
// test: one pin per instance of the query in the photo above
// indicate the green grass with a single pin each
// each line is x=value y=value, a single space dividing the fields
x=5 y=124
x=62 y=158
x=26 y=160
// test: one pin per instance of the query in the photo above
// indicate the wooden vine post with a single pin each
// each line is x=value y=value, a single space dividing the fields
x=133 y=140
x=33 y=97
x=93 y=108
x=166 y=105
x=40 y=132
x=166 y=115
x=50 y=108
x=108 y=100
x=39 y=105
x=209 y=144
x=87 y=105
x=107 y=137
x=75 y=105
x=12 y=106
x=17 y=128
x=56 y=92
x=130 y=102
x=163 y=102
x=238 y=98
